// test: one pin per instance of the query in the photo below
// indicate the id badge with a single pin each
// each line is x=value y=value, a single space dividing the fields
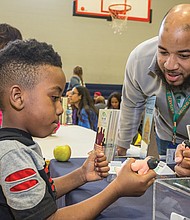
x=170 y=154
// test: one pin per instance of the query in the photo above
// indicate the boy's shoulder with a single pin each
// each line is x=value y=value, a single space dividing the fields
x=7 y=146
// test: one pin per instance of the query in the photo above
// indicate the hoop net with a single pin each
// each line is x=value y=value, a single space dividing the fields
x=118 y=13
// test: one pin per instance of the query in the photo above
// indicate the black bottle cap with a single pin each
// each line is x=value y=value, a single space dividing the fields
x=152 y=163
x=187 y=143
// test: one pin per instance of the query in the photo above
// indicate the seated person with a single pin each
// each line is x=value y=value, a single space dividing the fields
x=114 y=100
x=7 y=34
x=68 y=93
x=100 y=102
x=84 y=112
x=96 y=95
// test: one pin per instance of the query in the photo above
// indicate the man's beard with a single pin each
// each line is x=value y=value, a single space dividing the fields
x=184 y=86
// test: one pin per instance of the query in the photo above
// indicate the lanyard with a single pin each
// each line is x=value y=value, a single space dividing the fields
x=178 y=113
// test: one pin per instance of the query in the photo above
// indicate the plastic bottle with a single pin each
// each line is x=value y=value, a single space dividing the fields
x=69 y=112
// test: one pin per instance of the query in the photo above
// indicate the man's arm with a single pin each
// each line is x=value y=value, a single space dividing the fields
x=132 y=106
x=139 y=83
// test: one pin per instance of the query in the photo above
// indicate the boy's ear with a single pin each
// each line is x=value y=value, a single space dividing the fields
x=16 y=97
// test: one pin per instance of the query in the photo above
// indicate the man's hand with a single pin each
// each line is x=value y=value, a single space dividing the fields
x=121 y=151
x=182 y=158
x=96 y=166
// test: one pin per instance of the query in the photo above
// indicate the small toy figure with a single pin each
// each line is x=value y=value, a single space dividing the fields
x=100 y=139
x=142 y=166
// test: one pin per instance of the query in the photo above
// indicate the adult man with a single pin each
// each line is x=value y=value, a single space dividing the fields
x=161 y=67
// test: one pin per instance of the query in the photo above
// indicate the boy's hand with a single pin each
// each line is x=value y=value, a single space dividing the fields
x=96 y=166
x=142 y=166
x=182 y=158
x=98 y=148
x=129 y=183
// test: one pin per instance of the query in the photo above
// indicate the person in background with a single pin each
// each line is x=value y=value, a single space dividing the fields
x=84 y=112
x=96 y=95
x=31 y=86
x=114 y=100
x=100 y=102
x=76 y=79
x=159 y=66
x=7 y=33
x=68 y=94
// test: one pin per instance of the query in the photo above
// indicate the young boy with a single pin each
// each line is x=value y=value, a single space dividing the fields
x=31 y=85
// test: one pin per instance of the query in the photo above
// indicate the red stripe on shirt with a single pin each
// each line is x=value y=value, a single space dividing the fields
x=19 y=175
x=24 y=186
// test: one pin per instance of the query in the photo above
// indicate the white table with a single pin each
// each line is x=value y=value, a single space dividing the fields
x=80 y=139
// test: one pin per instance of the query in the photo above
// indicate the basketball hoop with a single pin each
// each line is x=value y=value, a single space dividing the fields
x=118 y=13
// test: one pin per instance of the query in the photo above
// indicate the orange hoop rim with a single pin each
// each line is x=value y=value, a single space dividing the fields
x=119 y=13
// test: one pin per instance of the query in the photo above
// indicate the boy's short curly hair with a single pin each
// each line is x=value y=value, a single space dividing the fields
x=20 y=61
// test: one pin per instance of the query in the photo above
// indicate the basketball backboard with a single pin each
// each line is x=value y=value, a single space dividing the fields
x=141 y=9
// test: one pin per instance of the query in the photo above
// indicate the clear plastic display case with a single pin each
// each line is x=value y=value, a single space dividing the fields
x=171 y=199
